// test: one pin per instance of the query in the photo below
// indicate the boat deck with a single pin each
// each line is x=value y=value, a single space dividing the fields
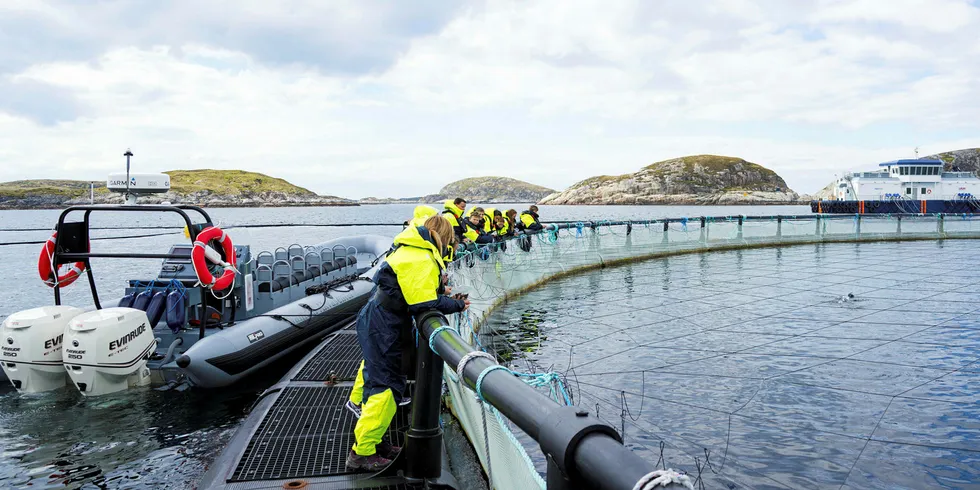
x=299 y=433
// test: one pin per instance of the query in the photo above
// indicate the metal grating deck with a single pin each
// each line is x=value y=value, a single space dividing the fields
x=306 y=433
x=340 y=356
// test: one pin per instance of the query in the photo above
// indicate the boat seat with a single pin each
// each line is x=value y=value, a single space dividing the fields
x=297 y=277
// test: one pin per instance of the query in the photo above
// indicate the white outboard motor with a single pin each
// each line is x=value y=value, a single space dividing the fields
x=106 y=350
x=30 y=347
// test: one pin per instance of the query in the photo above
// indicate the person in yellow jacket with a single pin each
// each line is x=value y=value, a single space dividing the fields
x=453 y=210
x=530 y=220
x=409 y=283
x=421 y=214
x=511 y=216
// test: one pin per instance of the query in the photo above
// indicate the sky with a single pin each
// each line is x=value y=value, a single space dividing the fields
x=396 y=99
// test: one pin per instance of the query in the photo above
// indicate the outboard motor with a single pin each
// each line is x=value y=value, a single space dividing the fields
x=106 y=350
x=30 y=347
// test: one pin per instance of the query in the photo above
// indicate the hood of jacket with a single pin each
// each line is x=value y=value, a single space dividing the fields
x=419 y=237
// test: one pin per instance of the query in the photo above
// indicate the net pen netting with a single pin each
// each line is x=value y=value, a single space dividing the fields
x=723 y=343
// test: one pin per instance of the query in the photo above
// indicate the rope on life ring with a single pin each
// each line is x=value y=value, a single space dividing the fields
x=200 y=257
x=47 y=270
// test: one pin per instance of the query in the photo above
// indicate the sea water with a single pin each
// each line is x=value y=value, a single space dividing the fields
x=145 y=437
x=758 y=369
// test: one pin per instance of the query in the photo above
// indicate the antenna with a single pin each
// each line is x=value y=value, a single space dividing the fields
x=127 y=155
x=916 y=152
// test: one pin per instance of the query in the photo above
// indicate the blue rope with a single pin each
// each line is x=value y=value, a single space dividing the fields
x=579 y=227
x=552 y=380
x=432 y=338
x=479 y=381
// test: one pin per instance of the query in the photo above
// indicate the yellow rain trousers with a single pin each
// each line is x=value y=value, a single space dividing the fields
x=375 y=418
x=357 y=392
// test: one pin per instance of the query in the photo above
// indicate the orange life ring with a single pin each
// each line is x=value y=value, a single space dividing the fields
x=200 y=260
x=48 y=273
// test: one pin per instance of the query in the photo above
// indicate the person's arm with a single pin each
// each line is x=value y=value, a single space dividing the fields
x=443 y=304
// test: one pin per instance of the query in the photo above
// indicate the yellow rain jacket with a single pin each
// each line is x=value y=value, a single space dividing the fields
x=422 y=213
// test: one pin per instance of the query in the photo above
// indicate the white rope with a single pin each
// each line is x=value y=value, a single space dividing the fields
x=469 y=357
x=663 y=478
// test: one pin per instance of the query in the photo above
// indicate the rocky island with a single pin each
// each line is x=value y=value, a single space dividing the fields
x=483 y=190
x=211 y=188
x=491 y=190
x=699 y=179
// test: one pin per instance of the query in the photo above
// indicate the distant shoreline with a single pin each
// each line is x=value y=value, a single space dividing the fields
x=4 y=207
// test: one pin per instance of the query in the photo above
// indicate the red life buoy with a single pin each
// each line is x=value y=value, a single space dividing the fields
x=48 y=273
x=200 y=261
x=928 y=191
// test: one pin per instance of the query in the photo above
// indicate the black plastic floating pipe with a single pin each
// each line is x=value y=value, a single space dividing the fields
x=582 y=451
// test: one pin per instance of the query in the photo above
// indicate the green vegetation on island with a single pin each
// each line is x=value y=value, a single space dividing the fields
x=206 y=187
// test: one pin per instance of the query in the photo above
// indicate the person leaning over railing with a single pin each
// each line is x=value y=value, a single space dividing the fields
x=511 y=216
x=529 y=220
x=474 y=230
x=453 y=212
x=408 y=283
x=421 y=214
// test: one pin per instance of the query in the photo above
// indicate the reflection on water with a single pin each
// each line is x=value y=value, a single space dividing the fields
x=748 y=365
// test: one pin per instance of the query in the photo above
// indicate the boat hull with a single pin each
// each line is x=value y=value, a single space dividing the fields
x=226 y=357
x=896 y=207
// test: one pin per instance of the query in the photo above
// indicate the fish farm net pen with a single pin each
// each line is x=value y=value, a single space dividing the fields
x=491 y=279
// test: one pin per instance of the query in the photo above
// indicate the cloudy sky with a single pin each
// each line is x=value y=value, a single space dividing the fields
x=366 y=98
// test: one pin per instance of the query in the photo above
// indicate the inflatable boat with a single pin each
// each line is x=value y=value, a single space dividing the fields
x=214 y=314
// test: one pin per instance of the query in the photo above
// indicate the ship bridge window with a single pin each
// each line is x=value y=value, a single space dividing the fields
x=918 y=170
x=904 y=170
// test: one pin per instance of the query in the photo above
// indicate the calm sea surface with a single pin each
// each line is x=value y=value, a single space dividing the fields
x=750 y=364
x=163 y=439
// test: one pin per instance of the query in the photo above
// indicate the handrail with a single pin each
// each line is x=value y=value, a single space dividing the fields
x=581 y=450
x=84 y=257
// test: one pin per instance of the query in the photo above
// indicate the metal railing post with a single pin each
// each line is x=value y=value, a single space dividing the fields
x=423 y=445
x=857 y=224
x=816 y=230
x=779 y=226
x=740 y=219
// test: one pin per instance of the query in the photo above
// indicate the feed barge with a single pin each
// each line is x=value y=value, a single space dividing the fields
x=911 y=186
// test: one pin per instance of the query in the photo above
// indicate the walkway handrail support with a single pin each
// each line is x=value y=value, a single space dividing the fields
x=582 y=451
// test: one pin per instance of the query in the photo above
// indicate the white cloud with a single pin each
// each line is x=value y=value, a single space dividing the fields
x=547 y=91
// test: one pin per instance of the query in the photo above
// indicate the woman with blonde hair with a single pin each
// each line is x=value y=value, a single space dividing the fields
x=409 y=283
